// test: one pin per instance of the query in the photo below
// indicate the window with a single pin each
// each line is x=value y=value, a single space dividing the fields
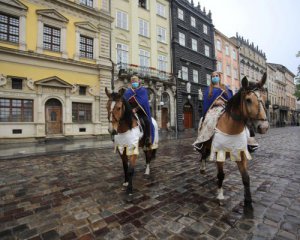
x=122 y=54
x=16 y=110
x=162 y=63
x=182 y=39
x=16 y=83
x=235 y=74
x=88 y=3
x=82 y=90
x=184 y=73
x=161 y=34
x=208 y=79
x=234 y=54
x=193 y=22
x=160 y=10
x=144 y=58
x=180 y=14
x=51 y=38
x=122 y=20
x=144 y=28
x=86 y=47
x=195 y=76
x=219 y=46
x=227 y=50
x=194 y=44
x=219 y=66
x=81 y=112
x=9 y=28
x=206 y=50
x=228 y=70
x=205 y=29
x=143 y=4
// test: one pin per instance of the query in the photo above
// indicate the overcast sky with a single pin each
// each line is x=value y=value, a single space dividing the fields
x=273 y=25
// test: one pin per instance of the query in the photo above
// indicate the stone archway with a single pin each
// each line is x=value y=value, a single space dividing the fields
x=53 y=116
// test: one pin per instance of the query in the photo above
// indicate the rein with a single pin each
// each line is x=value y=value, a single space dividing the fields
x=239 y=117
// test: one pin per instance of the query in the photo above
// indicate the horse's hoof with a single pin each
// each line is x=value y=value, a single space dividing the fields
x=125 y=184
x=202 y=171
x=248 y=205
x=147 y=171
x=221 y=202
x=129 y=198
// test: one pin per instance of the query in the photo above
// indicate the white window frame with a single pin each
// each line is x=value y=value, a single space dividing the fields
x=227 y=50
x=205 y=29
x=195 y=76
x=162 y=63
x=161 y=34
x=184 y=73
x=206 y=50
x=122 y=19
x=219 y=45
x=121 y=54
x=234 y=54
x=193 y=21
x=160 y=10
x=181 y=37
x=144 y=57
x=180 y=14
x=143 y=27
x=194 y=44
x=45 y=19
x=228 y=70
x=208 y=79
x=219 y=66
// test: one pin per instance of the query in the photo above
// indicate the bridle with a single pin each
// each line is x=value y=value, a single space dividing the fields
x=111 y=116
x=260 y=103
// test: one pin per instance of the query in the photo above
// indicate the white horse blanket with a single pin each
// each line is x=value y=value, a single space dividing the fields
x=130 y=140
x=235 y=145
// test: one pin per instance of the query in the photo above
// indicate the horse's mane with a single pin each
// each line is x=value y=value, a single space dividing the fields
x=127 y=115
x=234 y=103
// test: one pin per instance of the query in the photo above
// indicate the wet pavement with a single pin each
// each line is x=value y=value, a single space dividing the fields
x=79 y=195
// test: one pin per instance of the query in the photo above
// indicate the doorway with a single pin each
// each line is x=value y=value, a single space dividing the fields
x=53 y=112
x=188 y=115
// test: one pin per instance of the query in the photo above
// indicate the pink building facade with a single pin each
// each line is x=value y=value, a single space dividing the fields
x=227 y=56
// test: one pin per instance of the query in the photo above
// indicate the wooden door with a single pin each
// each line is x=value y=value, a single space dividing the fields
x=188 y=116
x=53 y=120
x=164 y=118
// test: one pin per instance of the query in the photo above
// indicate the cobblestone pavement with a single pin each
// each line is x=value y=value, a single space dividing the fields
x=79 y=195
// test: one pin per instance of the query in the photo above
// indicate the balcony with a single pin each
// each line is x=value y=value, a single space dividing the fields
x=127 y=70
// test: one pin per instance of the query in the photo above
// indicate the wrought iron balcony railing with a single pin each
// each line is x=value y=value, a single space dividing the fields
x=127 y=70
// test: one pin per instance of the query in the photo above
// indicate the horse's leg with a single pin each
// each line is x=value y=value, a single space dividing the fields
x=125 y=168
x=148 y=155
x=242 y=165
x=130 y=171
x=221 y=175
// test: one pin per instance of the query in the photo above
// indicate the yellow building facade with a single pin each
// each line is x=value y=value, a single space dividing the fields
x=54 y=66
x=141 y=45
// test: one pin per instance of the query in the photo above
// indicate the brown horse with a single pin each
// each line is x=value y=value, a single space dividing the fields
x=245 y=108
x=128 y=136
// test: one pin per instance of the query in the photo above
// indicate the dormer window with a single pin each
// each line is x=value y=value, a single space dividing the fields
x=16 y=83
x=82 y=90
x=143 y=4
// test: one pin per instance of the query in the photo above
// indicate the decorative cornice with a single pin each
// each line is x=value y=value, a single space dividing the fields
x=52 y=58
x=53 y=81
x=15 y=4
x=87 y=26
x=53 y=14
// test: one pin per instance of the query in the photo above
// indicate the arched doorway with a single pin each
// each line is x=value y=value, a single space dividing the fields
x=53 y=116
x=165 y=110
x=188 y=115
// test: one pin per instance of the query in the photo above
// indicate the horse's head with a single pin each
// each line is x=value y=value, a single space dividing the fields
x=115 y=109
x=253 y=99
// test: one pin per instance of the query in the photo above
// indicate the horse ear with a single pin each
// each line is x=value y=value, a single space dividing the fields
x=121 y=92
x=263 y=80
x=107 y=92
x=245 y=82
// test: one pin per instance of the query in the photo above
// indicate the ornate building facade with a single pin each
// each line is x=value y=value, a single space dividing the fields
x=283 y=104
x=54 y=66
x=227 y=55
x=141 y=45
x=193 y=58
x=252 y=60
